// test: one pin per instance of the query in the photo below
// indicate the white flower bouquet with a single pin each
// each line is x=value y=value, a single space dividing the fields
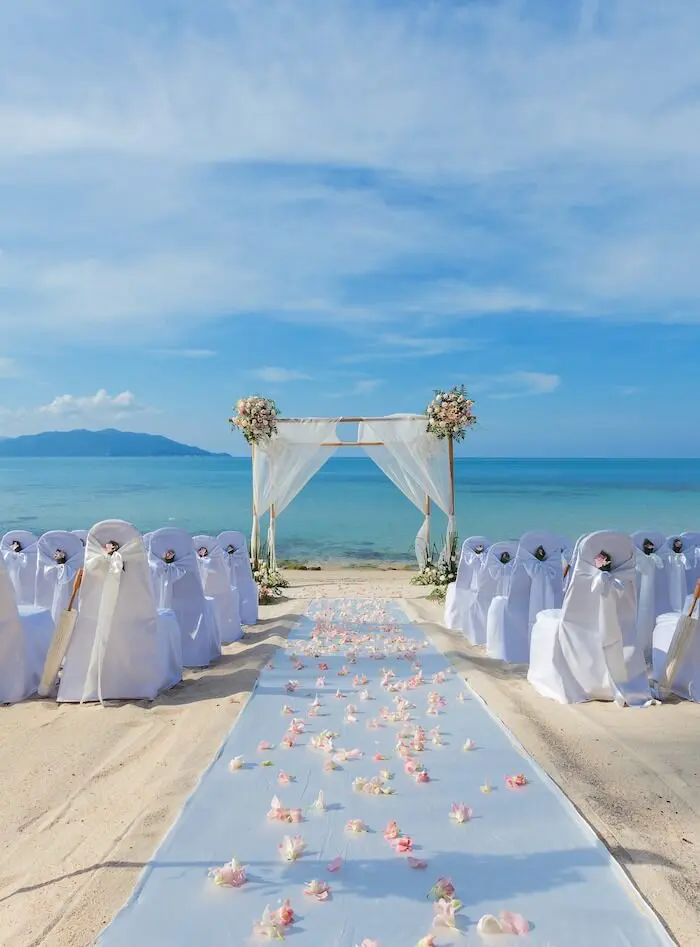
x=450 y=413
x=256 y=418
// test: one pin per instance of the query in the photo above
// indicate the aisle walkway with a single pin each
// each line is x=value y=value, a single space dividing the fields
x=524 y=850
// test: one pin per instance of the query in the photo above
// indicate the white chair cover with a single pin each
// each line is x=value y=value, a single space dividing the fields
x=123 y=647
x=54 y=581
x=25 y=636
x=460 y=593
x=492 y=579
x=676 y=636
x=691 y=544
x=241 y=574
x=534 y=585
x=675 y=588
x=82 y=535
x=217 y=584
x=179 y=586
x=588 y=649
x=649 y=577
x=21 y=566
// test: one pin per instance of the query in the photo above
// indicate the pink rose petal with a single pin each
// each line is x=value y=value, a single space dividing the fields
x=417 y=863
x=335 y=864
x=514 y=923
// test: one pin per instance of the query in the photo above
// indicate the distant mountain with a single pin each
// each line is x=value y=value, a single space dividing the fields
x=107 y=443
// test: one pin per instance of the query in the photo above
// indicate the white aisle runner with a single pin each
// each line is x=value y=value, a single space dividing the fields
x=523 y=850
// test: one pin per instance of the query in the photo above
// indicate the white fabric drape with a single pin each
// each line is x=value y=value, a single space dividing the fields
x=282 y=467
x=417 y=463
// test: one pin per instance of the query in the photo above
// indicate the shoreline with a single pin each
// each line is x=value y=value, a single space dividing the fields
x=95 y=790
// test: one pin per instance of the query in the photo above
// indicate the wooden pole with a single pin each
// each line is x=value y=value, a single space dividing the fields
x=427 y=516
x=419 y=417
x=255 y=538
x=451 y=459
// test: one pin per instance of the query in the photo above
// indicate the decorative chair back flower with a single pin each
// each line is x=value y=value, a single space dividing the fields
x=677 y=545
x=169 y=557
x=60 y=557
x=603 y=561
x=540 y=553
x=648 y=547
x=16 y=546
x=203 y=552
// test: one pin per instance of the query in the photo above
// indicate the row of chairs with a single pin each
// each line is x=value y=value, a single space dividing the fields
x=516 y=599
x=147 y=607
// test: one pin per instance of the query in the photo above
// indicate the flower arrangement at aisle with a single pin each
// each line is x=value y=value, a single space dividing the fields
x=440 y=571
x=450 y=413
x=269 y=580
x=256 y=418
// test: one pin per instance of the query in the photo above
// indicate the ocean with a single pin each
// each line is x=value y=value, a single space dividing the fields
x=350 y=511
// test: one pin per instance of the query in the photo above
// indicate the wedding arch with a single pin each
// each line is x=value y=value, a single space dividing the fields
x=415 y=451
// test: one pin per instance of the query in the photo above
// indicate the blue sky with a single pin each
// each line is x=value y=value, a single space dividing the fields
x=346 y=204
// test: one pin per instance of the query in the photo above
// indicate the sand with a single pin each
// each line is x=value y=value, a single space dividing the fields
x=88 y=792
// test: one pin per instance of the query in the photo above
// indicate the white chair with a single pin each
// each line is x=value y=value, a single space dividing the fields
x=59 y=557
x=123 y=647
x=534 y=584
x=460 y=593
x=650 y=564
x=492 y=579
x=82 y=535
x=25 y=636
x=179 y=586
x=679 y=559
x=676 y=653
x=588 y=649
x=18 y=548
x=217 y=584
x=691 y=544
x=241 y=574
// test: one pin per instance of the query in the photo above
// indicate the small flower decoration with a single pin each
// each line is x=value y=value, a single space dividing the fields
x=230 y=549
x=468 y=745
x=677 y=545
x=16 y=545
x=422 y=776
x=603 y=561
x=391 y=832
x=329 y=766
x=267 y=763
x=111 y=547
x=230 y=875
x=516 y=782
x=648 y=547
x=403 y=845
x=169 y=557
x=264 y=745
x=292 y=847
x=202 y=552
x=60 y=557
x=506 y=923
x=269 y=925
x=319 y=803
x=418 y=864
x=541 y=553
x=504 y=558
x=445 y=913
x=335 y=865
x=236 y=763
x=427 y=941
x=486 y=788
x=286 y=914
x=356 y=826
x=460 y=813
x=320 y=890
x=479 y=548
x=323 y=666
x=443 y=889
x=284 y=779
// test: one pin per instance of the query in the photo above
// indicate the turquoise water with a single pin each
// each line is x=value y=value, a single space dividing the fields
x=350 y=510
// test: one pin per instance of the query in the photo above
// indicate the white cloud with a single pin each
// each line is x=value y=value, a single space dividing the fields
x=186 y=353
x=366 y=386
x=518 y=384
x=273 y=375
x=391 y=347
x=101 y=405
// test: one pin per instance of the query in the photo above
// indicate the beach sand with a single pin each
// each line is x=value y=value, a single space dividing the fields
x=89 y=792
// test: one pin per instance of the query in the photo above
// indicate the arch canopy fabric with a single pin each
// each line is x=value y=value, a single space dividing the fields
x=415 y=461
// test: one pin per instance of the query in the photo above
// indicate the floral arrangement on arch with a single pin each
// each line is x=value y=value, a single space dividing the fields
x=450 y=413
x=256 y=418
